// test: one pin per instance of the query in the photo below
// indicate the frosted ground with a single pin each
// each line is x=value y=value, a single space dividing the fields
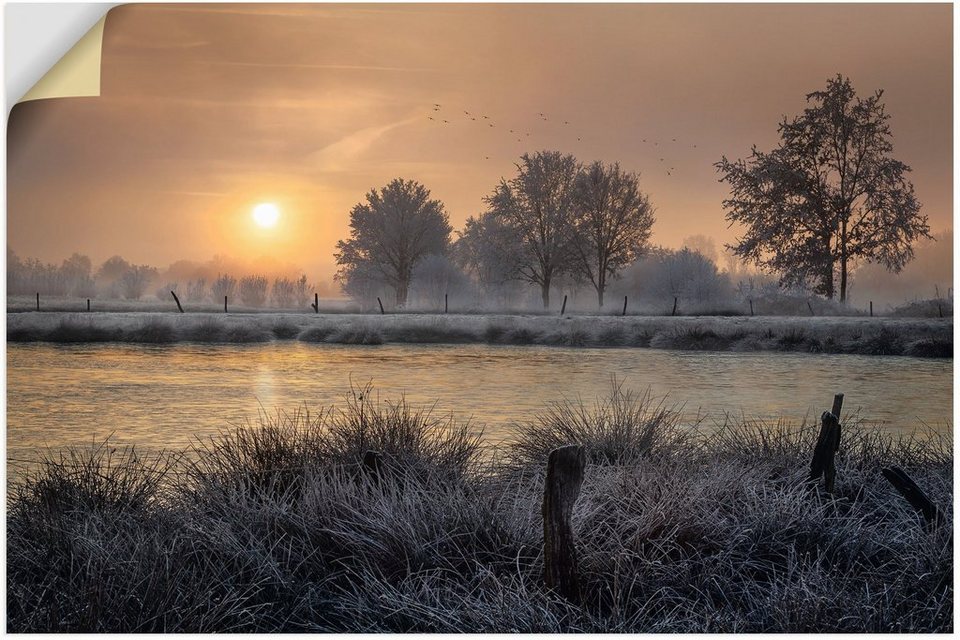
x=921 y=337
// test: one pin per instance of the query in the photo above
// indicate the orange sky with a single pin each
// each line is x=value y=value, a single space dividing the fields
x=207 y=110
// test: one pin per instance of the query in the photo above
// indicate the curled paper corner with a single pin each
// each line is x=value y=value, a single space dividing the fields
x=77 y=73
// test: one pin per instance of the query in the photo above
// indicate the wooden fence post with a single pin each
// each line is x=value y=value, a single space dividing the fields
x=38 y=301
x=871 y=308
x=914 y=495
x=446 y=303
x=674 y=312
x=177 y=300
x=563 y=309
x=624 y=306
x=828 y=442
x=381 y=305
x=810 y=306
x=561 y=489
x=939 y=307
x=88 y=304
x=225 y=304
x=751 y=306
x=316 y=302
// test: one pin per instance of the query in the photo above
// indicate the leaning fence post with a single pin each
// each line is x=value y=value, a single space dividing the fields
x=624 y=306
x=914 y=495
x=177 y=300
x=563 y=309
x=564 y=478
x=381 y=305
x=828 y=442
x=674 y=312
x=810 y=306
x=751 y=306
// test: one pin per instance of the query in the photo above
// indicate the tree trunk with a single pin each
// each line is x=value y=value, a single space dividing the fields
x=600 y=297
x=545 y=293
x=843 y=261
x=402 y=286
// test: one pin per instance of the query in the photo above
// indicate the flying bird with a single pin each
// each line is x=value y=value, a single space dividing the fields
x=565 y=122
x=436 y=105
x=578 y=139
x=486 y=117
x=429 y=117
x=491 y=124
x=467 y=112
x=446 y=122
x=674 y=139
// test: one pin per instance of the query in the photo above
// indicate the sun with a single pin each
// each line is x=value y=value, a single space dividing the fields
x=266 y=214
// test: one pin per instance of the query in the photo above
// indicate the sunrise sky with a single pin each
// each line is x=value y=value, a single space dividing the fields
x=208 y=110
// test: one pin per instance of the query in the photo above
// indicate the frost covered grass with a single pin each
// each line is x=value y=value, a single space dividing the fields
x=921 y=337
x=279 y=526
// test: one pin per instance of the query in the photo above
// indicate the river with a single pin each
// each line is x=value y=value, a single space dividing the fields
x=162 y=397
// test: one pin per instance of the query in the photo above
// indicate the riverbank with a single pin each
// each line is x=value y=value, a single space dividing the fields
x=852 y=335
x=281 y=527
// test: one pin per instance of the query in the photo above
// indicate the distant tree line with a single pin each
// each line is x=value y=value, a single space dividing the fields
x=118 y=279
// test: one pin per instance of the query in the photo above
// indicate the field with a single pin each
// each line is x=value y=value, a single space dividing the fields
x=922 y=337
x=280 y=527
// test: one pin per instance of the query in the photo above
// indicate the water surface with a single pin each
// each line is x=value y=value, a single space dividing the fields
x=161 y=397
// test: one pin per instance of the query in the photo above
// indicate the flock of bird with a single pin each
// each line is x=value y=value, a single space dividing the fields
x=441 y=117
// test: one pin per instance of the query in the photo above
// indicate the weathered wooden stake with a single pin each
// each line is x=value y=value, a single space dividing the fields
x=871 y=308
x=446 y=303
x=563 y=309
x=810 y=306
x=38 y=301
x=914 y=495
x=828 y=442
x=939 y=308
x=624 y=306
x=381 y=305
x=316 y=303
x=225 y=304
x=751 y=306
x=837 y=405
x=564 y=478
x=88 y=304
x=674 y=312
x=177 y=300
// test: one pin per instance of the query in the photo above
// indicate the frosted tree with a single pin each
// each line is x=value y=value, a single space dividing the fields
x=486 y=249
x=302 y=292
x=537 y=206
x=224 y=286
x=134 y=282
x=390 y=233
x=253 y=290
x=828 y=195
x=613 y=223
x=283 y=293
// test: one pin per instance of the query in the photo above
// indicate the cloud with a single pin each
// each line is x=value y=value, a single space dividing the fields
x=336 y=156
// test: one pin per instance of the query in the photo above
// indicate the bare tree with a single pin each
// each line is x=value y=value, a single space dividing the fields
x=391 y=232
x=223 y=286
x=537 y=205
x=253 y=290
x=613 y=223
x=302 y=292
x=135 y=280
x=828 y=194
x=283 y=293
